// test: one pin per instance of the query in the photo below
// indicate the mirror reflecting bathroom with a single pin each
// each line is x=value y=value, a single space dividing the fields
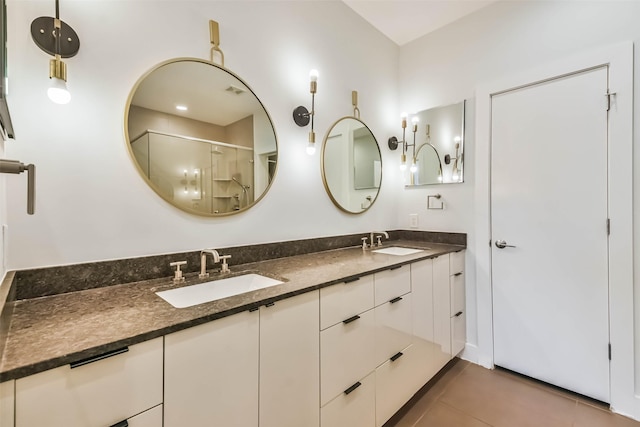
x=439 y=145
x=200 y=137
x=351 y=165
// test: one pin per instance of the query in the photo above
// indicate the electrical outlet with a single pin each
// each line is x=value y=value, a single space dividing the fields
x=413 y=220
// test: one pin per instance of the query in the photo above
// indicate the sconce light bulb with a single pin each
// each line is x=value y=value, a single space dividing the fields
x=440 y=178
x=58 y=91
x=413 y=168
x=456 y=139
x=311 y=149
x=415 y=119
x=403 y=115
x=455 y=177
x=313 y=75
x=403 y=167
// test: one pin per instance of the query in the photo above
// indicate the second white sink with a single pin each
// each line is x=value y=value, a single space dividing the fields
x=397 y=250
x=188 y=296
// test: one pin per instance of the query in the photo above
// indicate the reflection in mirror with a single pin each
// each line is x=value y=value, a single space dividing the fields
x=439 y=146
x=351 y=165
x=200 y=137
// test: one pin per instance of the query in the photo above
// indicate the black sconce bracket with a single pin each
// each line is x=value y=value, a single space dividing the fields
x=43 y=34
x=392 y=143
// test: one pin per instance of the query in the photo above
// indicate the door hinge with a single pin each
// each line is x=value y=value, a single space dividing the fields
x=609 y=95
x=489 y=243
x=609 y=351
x=608 y=226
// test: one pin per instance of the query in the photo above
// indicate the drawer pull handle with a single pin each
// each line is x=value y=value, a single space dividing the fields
x=270 y=304
x=121 y=424
x=396 y=356
x=396 y=267
x=351 y=319
x=458 y=274
x=354 y=279
x=98 y=357
x=353 y=387
x=458 y=314
x=254 y=309
x=396 y=299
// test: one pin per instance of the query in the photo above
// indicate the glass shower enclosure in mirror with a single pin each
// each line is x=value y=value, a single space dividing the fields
x=200 y=137
x=438 y=148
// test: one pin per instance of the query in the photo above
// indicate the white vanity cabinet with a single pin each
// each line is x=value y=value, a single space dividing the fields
x=150 y=418
x=254 y=368
x=101 y=392
x=289 y=362
x=355 y=407
x=211 y=373
x=7 y=403
x=347 y=343
x=457 y=302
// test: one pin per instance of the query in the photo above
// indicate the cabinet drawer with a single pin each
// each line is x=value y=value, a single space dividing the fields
x=150 y=418
x=458 y=334
x=357 y=408
x=396 y=382
x=393 y=327
x=456 y=283
x=346 y=355
x=456 y=262
x=341 y=301
x=97 y=394
x=392 y=283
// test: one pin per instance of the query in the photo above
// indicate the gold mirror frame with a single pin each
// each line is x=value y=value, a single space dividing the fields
x=241 y=190
x=369 y=199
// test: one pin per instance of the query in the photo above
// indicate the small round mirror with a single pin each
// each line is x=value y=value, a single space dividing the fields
x=351 y=165
x=200 y=137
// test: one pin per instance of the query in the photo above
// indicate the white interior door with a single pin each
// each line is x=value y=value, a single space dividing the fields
x=549 y=201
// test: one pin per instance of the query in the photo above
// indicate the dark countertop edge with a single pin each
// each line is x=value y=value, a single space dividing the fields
x=24 y=371
x=7 y=294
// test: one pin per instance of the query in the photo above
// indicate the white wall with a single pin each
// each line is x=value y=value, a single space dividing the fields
x=506 y=38
x=91 y=203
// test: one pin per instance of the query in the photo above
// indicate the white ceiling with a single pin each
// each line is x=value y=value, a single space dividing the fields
x=406 y=20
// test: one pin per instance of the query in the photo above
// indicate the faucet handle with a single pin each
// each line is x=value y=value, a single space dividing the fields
x=364 y=242
x=224 y=268
x=177 y=278
x=379 y=241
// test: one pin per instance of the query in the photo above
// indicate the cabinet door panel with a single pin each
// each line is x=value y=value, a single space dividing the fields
x=456 y=262
x=393 y=327
x=211 y=373
x=392 y=283
x=441 y=310
x=395 y=384
x=341 y=301
x=150 y=418
x=457 y=293
x=347 y=354
x=356 y=409
x=97 y=394
x=458 y=334
x=289 y=362
x=7 y=399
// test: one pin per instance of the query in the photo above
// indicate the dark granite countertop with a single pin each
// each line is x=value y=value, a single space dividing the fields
x=51 y=331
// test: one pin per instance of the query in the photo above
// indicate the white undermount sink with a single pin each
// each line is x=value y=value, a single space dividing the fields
x=188 y=296
x=397 y=250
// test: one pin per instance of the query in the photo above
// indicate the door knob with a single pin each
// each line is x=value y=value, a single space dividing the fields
x=502 y=244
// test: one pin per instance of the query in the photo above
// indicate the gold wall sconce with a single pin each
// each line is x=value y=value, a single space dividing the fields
x=58 y=39
x=415 y=147
x=302 y=116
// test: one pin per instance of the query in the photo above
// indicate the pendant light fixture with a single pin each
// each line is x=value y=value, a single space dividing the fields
x=59 y=40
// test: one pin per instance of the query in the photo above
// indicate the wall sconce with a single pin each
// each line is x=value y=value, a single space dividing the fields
x=393 y=144
x=302 y=116
x=59 y=40
x=196 y=182
x=455 y=169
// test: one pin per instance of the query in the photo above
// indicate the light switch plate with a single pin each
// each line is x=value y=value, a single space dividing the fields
x=413 y=220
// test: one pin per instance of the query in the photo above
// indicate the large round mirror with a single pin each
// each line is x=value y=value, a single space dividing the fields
x=351 y=165
x=200 y=137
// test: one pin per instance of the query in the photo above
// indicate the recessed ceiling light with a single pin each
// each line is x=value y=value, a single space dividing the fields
x=181 y=107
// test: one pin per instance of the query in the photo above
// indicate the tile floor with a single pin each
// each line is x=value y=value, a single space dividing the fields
x=468 y=395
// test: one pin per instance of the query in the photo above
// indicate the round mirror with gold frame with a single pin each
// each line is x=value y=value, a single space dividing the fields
x=200 y=137
x=351 y=165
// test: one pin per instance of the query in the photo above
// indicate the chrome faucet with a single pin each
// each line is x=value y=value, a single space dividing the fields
x=216 y=258
x=372 y=244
